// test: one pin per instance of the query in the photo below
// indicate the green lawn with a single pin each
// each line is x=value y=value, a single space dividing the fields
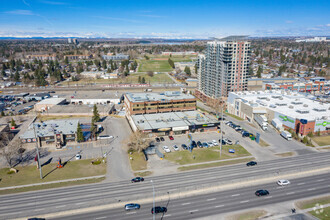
x=30 y=174
x=138 y=161
x=159 y=63
x=234 y=116
x=263 y=143
x=215 y=164
x=321 y=213
x=199 y=155
x=250 y=215
x=322 y=140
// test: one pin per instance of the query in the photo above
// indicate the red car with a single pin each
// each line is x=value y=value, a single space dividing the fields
x=171 y=138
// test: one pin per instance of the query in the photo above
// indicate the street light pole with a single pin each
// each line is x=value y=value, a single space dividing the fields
x=221 y=129
x=37 y=148
x=153 y=205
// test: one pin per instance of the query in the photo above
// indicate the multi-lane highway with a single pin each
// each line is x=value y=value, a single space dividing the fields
x=70 y=198
x=221 y=202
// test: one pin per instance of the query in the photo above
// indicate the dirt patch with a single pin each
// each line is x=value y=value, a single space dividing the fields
x=250 y=215
x=286 y=154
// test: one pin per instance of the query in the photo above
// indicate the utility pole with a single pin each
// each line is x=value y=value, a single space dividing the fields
x=37 y=148
x=221 y=128
x=153 y=205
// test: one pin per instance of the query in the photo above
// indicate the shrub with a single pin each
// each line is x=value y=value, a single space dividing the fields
x=11 y=172
x=310 y=134
x=96 y=162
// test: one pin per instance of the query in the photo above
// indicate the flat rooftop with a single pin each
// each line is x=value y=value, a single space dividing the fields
x=293 y=104
x=50 y=101
x=49 y=128
x=163 y=96
x=170 y=120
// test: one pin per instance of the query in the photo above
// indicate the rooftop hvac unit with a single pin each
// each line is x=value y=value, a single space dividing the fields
x=268 y=99
x=281 y=98
x=291 y=106
x=305 y=105
x=325 y=117
x=258 y=92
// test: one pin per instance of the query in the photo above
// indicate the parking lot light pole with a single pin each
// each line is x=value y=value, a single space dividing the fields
x=153 y=205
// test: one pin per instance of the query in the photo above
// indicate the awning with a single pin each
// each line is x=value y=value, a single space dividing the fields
x=183 y=128
x=164 y=129
x=259 y=111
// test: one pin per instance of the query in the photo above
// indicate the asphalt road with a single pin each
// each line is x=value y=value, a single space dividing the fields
x=221 y=202
x=61 y=199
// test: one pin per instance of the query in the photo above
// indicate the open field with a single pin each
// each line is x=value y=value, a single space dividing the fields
x=138 y=161
x=323 y=213
x=322 y=140
x=159 y=63
x=250 y=215
x=306 y=204
x=234 y=116
x=132 y=78
x=215 y=164
x=30 y=174
x=199 y=155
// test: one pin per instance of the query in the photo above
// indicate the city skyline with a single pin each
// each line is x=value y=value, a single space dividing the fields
x=170 y=19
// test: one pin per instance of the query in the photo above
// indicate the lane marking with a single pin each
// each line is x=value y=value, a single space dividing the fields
x=80 y=203
x=244 y=201
x=211 y=199
x=268 y=197
x=320 y=180
x=194 y=210
x=289 y=193
x=300 y=184
x=39 y=209
x=185 y=203
x=129 y=213
x=311 y=189
x=218 y=206
x=60 y=206
x=167 y=215
x=103 y=217
x=236 y=195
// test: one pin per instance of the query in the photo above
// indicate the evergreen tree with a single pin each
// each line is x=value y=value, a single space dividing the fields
x=143 y=80
x=2 y=114
x=139 y=79
x=13 y=123
x=66 y=60
x=80 y=135
x=260 y=70
x=171 y=63
x=187 y=70
x=96 y=115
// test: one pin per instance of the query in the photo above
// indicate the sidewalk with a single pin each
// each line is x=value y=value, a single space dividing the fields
x=51 y=182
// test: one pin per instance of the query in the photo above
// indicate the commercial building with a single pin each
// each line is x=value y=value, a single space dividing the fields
x=172 y=123
x=116 y=57
x=309 y=86
x=170 y=101
x=314 y=39
x=37 y=97
x=192 y=82
x=42 y=57
x=54 y=131
x=283 y=109
x=46 y=104
x=223 y=68
x=78 y=57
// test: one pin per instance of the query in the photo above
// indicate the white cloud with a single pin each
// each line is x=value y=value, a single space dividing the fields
x=20 y=12
x=26 y=3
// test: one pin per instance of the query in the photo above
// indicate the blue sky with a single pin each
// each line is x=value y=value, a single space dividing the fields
x=163 y=18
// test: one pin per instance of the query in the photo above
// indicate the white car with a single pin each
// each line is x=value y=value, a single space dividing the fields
x=210 y=143
x=176 y=148
x=229 y=142
x=78 y=156
x=215 y=143
x=283 y=182
x=166 y=149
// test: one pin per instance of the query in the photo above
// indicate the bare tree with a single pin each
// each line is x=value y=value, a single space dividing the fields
x=138 y=141
x=11 y=152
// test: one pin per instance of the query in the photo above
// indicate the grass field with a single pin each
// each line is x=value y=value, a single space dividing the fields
x=321 y=213
x=322 y=140
x=159 y=63
x=138 y=161
x=250 y=215
x=306 y=204
x=263 y=143
x=132 y=78
x=199 y=155
x=234 y=116
x=30 y=174
x=215 y=164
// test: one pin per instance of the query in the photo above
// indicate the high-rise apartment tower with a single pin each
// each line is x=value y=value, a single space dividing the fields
x=224 y=67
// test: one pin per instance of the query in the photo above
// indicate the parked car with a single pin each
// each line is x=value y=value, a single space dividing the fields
x=251 y=163
x=101 y=137
x=193 y=143
x=245 y=134
x=184 y=146
x=162 y=139
x=283 y=182
x=137 y=179
x=78 y=156
x=210 y=143
x=262 y=192
x=199 y=144
x=228 y=122
x=132 y=206
x=215 y=143
x=176 y=148
x=158 y=209
x=205 y=144
x=238 y=129
x=166 y=149
x=229 y=142
x=223 y=142
x=171 y=138
x=157 y=139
